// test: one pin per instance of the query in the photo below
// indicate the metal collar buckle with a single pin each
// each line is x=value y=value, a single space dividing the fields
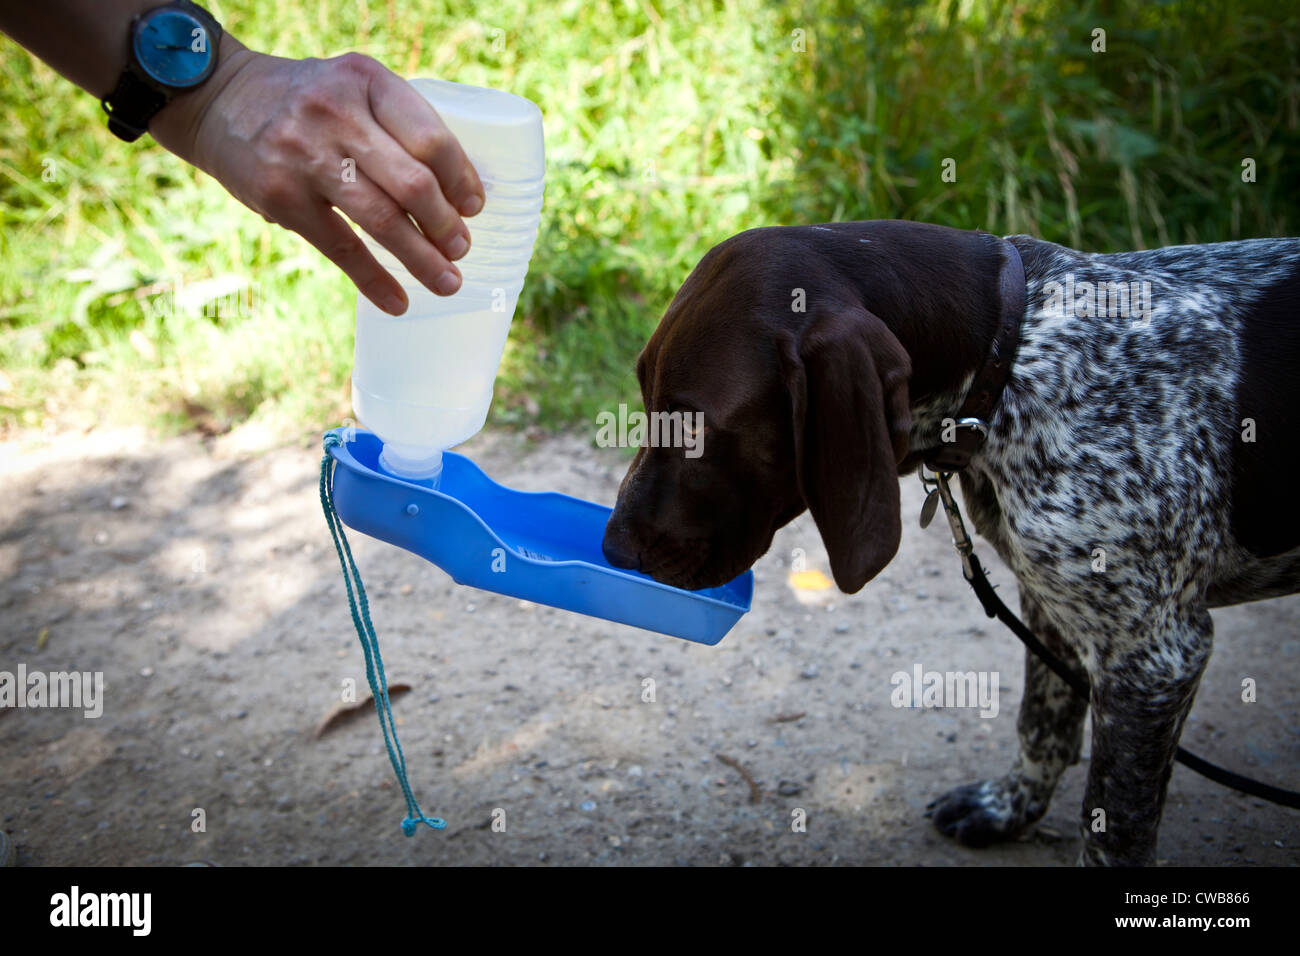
x=954 y=454
x=975 y=425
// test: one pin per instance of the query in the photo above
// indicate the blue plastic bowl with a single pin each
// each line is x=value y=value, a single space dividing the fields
x=539 y=546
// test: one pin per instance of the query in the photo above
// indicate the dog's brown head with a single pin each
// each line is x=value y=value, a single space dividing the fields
x=804 y=399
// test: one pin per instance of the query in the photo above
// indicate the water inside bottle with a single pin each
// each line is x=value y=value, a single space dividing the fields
x=424 y=379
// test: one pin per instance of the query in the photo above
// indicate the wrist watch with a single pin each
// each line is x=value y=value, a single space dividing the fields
x=172 y=49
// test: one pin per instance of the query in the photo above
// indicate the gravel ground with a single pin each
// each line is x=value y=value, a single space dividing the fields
x=199 y=577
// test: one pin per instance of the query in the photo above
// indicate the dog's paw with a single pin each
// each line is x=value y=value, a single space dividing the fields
x=980 y=814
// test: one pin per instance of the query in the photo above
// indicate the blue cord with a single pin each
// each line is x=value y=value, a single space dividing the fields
x=369 y=645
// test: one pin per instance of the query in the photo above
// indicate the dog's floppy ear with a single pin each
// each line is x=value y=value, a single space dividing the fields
x=848 y=379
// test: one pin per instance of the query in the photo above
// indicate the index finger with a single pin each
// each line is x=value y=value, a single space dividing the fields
x=407 y=117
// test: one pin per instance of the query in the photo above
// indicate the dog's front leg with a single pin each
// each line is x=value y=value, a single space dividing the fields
x=1051 y=733
x=1139 y=704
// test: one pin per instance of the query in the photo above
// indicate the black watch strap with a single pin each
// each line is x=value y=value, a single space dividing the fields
x=136 y=98
x=131 y=97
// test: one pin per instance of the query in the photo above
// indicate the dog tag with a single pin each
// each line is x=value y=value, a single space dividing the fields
x=929 y=508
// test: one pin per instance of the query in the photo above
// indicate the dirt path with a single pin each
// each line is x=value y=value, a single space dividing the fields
x=201 y=581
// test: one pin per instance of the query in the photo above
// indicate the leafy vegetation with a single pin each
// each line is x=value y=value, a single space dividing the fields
x=133 y=288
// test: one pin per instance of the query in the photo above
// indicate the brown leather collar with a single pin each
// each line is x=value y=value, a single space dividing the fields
x=986 y=388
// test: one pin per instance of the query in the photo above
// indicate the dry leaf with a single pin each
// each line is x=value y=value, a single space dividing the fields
x=343 y=713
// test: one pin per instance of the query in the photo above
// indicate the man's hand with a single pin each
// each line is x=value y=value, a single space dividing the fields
x=275 y=132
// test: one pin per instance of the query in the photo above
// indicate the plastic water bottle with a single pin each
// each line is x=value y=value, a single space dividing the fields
x=422 y=381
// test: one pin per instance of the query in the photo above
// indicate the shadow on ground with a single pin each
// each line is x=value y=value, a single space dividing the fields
x=202 y=583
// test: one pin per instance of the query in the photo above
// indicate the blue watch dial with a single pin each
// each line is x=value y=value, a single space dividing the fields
x=174 y=48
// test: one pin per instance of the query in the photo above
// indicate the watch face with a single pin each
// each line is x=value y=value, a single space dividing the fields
x=174 y=48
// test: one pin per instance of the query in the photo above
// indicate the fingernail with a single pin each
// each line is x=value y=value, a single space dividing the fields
x=392 y=304
x=448 y=283
x=471 y=206
x=457 y=247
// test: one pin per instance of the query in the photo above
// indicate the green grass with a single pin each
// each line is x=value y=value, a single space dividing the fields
x=669 y=127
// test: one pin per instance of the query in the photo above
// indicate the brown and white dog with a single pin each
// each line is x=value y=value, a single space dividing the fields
x=1152 y=403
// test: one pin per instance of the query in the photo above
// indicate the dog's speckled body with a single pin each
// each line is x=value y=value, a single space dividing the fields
x=1128 y=480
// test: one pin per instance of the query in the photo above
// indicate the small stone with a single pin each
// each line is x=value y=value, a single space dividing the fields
x=146 y=672
x=809 y=672
x=118 y=503
x=841 y=629
x=101 y=537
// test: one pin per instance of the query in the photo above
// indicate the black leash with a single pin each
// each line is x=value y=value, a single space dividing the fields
x=938 y=491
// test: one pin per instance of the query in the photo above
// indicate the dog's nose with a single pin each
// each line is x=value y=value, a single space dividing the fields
x=619 y=553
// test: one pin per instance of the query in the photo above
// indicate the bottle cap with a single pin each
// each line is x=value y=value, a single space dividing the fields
x=411 y=462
